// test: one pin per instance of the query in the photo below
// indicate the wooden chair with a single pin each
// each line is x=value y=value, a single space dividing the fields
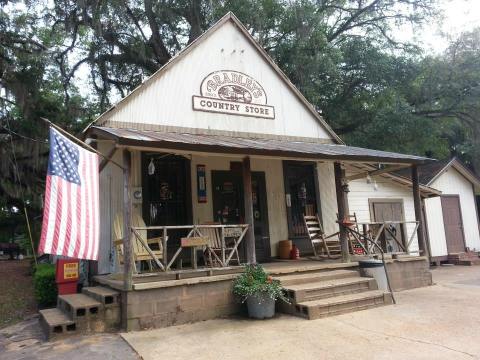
x=140 y=253
x=329 y=245
x=356 y=248
x=213 y=252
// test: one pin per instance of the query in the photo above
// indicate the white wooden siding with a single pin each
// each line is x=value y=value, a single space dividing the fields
x=436 y=227
x=451 y=182
x=361 y=192
x=168 y=99
x=111 y=203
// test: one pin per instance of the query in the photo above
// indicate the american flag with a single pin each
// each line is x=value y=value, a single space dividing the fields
x=71 y=213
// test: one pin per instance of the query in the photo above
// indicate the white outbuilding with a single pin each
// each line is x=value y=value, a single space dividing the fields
x=451 y=218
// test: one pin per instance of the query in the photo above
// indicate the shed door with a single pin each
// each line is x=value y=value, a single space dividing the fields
x=389 y=211
x=452 y=220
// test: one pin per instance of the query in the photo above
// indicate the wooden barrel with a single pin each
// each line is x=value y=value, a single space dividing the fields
x=284 y=248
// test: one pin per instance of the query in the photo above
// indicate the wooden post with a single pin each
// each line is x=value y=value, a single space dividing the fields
x=417 y=202
x=342 y=210
x=127 y=216
x=247 y=196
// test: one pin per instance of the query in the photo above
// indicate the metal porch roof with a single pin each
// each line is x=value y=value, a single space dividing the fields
x=251 y=146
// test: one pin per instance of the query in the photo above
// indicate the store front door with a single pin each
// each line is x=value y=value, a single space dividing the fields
x=301 y=199
x=228 y=207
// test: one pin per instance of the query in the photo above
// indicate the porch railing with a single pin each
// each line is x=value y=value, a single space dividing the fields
x=373 y=231
x=214 y=244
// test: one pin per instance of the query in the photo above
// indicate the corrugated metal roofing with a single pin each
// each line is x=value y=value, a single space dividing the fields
x=250 y=146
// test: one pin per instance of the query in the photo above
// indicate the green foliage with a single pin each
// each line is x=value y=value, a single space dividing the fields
x=45 y=286
x=254 y=280
x=374 y=91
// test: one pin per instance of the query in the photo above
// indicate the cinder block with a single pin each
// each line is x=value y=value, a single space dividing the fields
x=140 y=310
x=166 y=306
x=192 y=302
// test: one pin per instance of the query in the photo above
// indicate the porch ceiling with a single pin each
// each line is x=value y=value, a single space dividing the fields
x=250 y=146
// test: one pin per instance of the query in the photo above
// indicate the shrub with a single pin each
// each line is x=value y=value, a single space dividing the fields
x=45 y=286
x=254 y=280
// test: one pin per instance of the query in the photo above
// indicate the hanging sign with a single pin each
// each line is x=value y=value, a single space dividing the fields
x=201 y=184
x=232 y=92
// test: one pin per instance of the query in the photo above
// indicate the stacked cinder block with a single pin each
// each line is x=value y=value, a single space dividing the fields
x=96 y=309
x=409 y=273
x=174 y=305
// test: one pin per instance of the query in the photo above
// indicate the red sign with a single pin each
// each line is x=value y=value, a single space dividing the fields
x=66 y=276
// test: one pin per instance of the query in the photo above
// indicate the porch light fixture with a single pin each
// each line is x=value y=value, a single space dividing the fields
x=151 y=167
x=369 y=179
x=375 y=185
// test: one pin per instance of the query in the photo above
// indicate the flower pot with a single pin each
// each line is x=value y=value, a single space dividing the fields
x=260 y=306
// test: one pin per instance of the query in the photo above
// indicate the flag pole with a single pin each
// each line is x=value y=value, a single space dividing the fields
x=80 y=142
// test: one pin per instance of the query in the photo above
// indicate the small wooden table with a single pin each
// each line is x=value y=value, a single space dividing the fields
x=193 y=243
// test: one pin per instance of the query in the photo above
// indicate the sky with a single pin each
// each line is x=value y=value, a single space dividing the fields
x=458 y=16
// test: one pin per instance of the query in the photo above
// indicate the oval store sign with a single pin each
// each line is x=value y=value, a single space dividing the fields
x=234 y=93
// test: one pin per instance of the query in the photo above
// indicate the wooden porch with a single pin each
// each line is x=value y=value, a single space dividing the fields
x=222 y=250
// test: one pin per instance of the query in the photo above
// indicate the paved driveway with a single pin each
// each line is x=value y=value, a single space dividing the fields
x=438 y=322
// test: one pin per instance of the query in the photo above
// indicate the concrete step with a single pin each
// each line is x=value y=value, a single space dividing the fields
x=107 y=296
x=329 y=288
x=342 y=304
x=80 y=306
x=296 y=279
x=55 y=323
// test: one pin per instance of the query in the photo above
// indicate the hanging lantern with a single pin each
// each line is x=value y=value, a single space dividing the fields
x=151 y=167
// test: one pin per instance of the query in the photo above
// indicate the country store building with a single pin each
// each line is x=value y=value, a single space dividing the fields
x=219 y=143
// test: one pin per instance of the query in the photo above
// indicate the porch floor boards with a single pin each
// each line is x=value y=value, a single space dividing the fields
x=201 y=275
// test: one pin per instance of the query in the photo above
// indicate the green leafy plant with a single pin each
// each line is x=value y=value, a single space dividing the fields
x=254 y=281
x=45 y=286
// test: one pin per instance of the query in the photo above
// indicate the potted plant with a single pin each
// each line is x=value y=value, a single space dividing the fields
x=259 y=290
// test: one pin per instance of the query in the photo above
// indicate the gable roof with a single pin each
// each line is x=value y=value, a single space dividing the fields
x=232 y=18
x=430 y=172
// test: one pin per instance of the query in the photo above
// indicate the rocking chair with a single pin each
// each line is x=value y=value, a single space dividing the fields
x=140 y=253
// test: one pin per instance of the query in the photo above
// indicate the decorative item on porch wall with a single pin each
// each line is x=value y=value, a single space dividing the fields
x=201 y=184
x=259 y=290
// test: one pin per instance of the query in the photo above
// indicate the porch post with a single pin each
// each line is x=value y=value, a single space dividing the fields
x=342 y=210
x=247 y=196
x=417 y=202
x=127 y=208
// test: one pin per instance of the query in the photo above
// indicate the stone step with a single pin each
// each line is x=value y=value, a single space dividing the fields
x=56 y=323
x=80 y=306
x=329 y=288
x=107 y=296
x=295 y=279
x=342 y=304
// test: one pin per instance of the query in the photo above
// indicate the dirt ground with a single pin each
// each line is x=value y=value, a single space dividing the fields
x=17 y=299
